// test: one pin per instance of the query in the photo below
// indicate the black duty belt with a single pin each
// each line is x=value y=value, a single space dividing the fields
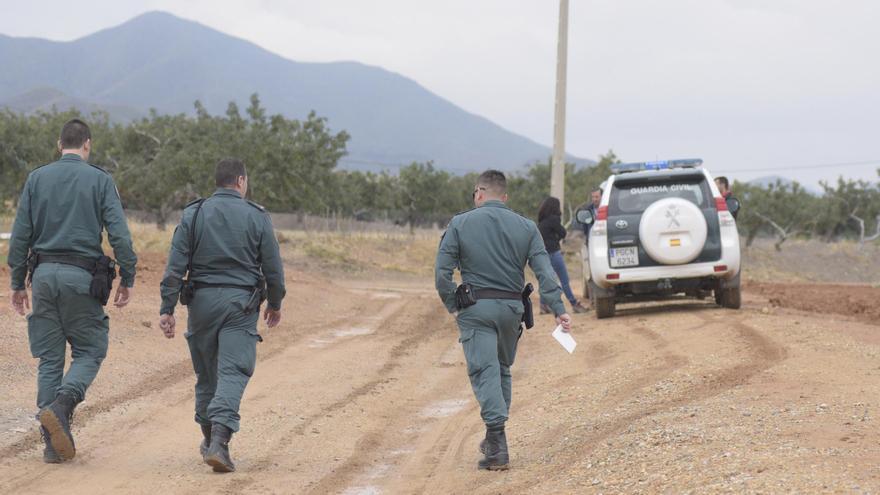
x=207 y=285
x=496 y=294
x=86 y=264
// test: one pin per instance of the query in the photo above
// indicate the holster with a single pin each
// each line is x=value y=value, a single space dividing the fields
x=31 y=266
x=528 y=317
x=261 y=293
x=464 y=296
x=102 y=279
x=187 y=291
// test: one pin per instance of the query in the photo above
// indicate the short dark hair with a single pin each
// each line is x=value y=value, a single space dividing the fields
x=493 y=181
x=722 y=179
x=228 y=171
x=550 y=206
x=598 y=190
x=74 y=134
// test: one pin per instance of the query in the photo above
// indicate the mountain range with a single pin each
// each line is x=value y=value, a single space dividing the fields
x=160 y=61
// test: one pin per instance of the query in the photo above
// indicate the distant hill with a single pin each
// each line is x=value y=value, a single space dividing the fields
x=47 y=98
x=160 y=61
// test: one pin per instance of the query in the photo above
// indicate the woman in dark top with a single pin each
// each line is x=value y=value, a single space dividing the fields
x=550 y=225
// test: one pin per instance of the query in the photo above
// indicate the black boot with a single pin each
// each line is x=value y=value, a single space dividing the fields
x=206 y=432
x=55 y=419
x=49 y=454
x=218 y=452
x=496 y=457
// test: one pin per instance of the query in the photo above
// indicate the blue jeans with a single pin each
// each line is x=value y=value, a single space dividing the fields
x=558 y=263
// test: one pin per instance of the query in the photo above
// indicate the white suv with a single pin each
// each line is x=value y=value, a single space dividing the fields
x=662 y=229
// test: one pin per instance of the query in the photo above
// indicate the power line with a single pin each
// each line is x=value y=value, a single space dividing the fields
x=355 y=161
x=803 y=167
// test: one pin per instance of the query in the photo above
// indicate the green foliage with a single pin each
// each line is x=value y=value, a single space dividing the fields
x=162 y=161
x=787 y=210
x=527 y=190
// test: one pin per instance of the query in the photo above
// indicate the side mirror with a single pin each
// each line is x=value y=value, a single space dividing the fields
x=585 y=217
x=733 y=205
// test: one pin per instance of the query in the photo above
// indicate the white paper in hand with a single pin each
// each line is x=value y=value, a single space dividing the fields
x=565 y=339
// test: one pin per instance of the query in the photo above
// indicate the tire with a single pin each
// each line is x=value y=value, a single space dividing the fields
x=731 y=298
x=604 y=307
x=718 y=293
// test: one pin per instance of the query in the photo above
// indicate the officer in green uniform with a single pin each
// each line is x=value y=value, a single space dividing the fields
x=225 y=246
x=491 y=245
x=64 y=208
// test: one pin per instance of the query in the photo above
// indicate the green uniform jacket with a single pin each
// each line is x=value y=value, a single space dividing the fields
x=64 y=208
x=491 y=245
x=234 y=244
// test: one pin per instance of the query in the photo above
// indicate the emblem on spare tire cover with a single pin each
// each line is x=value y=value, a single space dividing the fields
x=672 y=214
x=621 y=224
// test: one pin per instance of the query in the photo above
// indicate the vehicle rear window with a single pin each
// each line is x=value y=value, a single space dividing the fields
x=636 y=197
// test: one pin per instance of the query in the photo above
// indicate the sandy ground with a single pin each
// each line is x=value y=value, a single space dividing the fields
x=363 y=390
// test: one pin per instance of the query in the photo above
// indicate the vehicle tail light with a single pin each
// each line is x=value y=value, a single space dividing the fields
x=612 y=276
x=720 y=204
x=720 y=268
x=602 y=213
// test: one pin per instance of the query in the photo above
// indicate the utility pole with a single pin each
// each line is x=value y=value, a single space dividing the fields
x=557 y=167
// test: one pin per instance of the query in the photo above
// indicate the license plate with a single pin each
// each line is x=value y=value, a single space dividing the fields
x=628 y=256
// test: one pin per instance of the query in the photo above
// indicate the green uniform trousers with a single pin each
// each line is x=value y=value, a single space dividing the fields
x=64 y=312
x=223 y=344
x=489 y=333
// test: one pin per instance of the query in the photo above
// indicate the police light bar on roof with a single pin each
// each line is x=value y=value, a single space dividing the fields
x=622 y=168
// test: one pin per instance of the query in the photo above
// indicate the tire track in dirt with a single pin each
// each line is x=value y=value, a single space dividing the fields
x=156 y=383
x=162 y=379
x=763 y=354
x=421 y=333
x=442 y=449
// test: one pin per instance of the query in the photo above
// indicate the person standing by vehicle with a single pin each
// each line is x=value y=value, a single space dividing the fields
x=225 y=246
x=57 y=235
x=595 y=200
x=553 y=232
x=724 y=188
x=490 y=245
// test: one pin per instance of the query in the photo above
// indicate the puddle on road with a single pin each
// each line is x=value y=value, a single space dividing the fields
x=362 y=490
x=443 y=408
x=326 y=340
x=351 y=332
x=378 y=471
x=318 y=343
x=375 y=473
x=385 y=295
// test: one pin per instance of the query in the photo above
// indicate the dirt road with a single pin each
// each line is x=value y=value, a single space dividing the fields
x=363 y=390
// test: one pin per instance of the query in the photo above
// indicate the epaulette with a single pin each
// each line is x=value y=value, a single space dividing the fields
x=195 y=201
x=99 y=168
x=457 y=214
x=520 y=214
x=257 y=206
x=463 y=212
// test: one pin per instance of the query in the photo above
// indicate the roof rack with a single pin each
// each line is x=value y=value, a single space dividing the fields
x=623 y=168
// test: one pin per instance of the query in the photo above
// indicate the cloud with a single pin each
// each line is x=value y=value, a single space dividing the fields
x=742 y=83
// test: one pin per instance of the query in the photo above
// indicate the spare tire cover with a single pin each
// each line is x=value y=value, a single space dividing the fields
x=673 y=231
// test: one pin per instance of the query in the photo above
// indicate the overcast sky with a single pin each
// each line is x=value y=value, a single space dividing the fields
x=754 y=87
